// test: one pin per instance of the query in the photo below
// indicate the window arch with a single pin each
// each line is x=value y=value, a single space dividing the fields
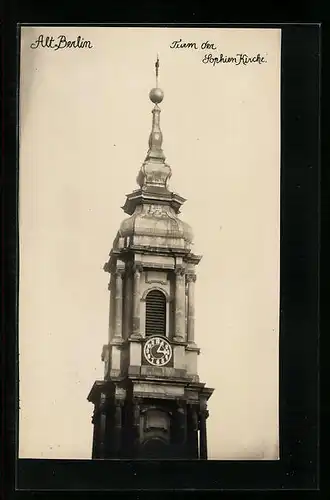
x=155 y=313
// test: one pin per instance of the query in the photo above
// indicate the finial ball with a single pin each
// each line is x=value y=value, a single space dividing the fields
x=156 y=95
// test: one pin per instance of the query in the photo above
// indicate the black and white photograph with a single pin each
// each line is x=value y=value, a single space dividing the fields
x=149 y=243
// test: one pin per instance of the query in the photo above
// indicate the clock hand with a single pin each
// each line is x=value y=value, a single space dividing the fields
x=160 y=349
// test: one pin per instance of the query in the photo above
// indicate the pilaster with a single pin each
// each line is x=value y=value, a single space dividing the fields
x=117 y=428
x=182 y=428
x=179 y=304
x=128 y=295
x=137 y=271
x=118 y=337
x=102 y=426
x=203 y=413
x=136 y=425
x=192 y=423
x=191 y=280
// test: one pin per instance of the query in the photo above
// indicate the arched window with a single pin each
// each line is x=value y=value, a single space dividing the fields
x=155 y=313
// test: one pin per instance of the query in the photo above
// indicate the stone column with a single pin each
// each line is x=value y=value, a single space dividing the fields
x=186 y=311
x=102 y=426
x=137 y=270
x=191 y=278
x=180 y=300
x=127 y=320
x=95 y=422
x=116 y=444
x=111 y=307
x=136 y=426
x=202 y=433
x=119 y=305
x=182 y=429
x=192 y=420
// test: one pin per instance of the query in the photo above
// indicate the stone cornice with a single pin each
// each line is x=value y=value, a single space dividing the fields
x=193 y=259
x=193 y=348
x=126 y=253
x=143 y=250
x=160 y=196
x=117 y=341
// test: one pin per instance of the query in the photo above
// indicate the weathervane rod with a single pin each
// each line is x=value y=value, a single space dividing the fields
x=157 y=66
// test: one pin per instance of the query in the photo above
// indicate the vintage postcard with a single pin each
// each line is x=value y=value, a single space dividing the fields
x=149 y=243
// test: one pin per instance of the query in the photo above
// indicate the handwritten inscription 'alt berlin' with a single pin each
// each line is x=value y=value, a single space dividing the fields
x=212 y=59
x=61 y=42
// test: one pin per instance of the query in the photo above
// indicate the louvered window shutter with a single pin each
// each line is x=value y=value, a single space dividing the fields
x=155 y=313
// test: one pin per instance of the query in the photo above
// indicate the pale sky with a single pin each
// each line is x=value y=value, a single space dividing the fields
x=85 y=120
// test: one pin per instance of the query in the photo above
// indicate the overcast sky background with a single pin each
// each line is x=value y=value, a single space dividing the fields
x=85 y=119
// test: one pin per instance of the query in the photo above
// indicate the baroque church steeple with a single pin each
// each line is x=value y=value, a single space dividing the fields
x=151 y=402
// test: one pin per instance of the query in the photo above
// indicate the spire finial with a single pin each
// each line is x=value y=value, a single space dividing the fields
x=157 y=68
x=156 y=96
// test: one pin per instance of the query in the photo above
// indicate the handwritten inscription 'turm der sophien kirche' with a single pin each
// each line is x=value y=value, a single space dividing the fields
x=210 y=58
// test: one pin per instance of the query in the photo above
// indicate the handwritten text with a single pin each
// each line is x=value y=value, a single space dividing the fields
x=238 y=59
x=216 y=58
x=61 y=42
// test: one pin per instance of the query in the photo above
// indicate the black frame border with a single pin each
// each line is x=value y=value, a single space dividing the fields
x=298 y=468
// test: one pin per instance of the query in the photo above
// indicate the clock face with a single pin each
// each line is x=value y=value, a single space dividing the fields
x=157 y=351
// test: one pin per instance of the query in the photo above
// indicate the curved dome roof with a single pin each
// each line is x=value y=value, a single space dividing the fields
x=156 y=221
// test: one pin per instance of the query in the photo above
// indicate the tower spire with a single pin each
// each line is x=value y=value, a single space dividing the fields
x=156 y=96
x=155 y=172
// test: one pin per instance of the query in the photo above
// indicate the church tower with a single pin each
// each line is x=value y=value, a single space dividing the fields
x=151 y=403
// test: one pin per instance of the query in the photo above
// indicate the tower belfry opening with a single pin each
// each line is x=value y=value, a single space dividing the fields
x=155 y=313
x=151 y=403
